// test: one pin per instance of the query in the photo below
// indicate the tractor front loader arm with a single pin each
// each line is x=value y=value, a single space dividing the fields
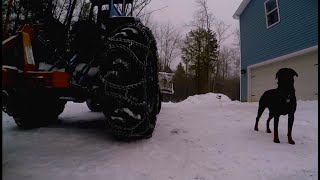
x=20 y=43
x=19 y=70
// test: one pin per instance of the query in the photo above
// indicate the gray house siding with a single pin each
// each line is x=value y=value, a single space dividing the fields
x=297 y=30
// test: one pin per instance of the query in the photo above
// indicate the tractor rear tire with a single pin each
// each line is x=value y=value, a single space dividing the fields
x=130 y=77
x=160 y=101
x=31 y=108
x=93 y=106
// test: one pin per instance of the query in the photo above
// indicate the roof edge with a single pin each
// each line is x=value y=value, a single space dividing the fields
x=240 y=9
x=284 y=57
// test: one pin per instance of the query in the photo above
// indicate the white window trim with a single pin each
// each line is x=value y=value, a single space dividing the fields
x=266 y=14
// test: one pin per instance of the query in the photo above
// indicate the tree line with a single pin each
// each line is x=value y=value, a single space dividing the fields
x=207 y=63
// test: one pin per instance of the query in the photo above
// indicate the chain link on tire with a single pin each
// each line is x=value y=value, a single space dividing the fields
x=130 y=78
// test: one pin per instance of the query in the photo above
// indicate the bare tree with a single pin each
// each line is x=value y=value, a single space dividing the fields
x=62 y=7
x=55 y=6
x=81 y=8
x=222 y=33
x=70 y=13
x=203 y=17
x=84 y=10
x=237 y=53
x=236 y=34
x=227 y=56
x=230 y=57
x=17 y=11
x=139 y=5
x=148 y=20
x=6 y=11
x=236 y=62
x=221 y=30
x=169 y=40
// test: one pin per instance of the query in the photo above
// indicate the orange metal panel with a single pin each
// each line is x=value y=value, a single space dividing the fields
x=29 y=63
x=52 y=79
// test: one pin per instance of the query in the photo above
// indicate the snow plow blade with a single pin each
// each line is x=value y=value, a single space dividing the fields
x=166 y=82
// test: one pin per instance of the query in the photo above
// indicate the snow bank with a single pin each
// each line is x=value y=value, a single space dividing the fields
x=209 y=98
x=217 y=98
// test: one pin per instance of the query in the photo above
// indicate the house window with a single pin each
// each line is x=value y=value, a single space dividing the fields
x=272 y=12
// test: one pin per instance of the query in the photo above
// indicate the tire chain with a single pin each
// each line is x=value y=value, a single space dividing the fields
x=125 y=44
x=118 y=43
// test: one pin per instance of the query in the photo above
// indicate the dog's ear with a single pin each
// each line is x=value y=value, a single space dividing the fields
x=294 y=73
x=291 y=71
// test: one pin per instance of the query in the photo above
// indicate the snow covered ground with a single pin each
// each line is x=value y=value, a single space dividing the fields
x=202 y=138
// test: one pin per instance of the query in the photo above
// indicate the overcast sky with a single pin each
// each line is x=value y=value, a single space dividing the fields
x=180 y=12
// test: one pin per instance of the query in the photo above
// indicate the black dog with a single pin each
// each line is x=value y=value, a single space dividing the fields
x=280 y=101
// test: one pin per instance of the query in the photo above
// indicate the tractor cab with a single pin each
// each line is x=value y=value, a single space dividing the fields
x=107 y=9
x=113 y=8
x=105 y=16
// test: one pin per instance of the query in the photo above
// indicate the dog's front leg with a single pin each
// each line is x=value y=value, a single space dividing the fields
x=276 y=123
x=290 y=124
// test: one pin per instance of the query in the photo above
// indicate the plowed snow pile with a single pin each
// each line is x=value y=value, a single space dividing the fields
x=209 y=98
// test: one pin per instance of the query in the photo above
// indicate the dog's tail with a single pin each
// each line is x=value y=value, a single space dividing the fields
x=260 y=110
x=262 y=106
